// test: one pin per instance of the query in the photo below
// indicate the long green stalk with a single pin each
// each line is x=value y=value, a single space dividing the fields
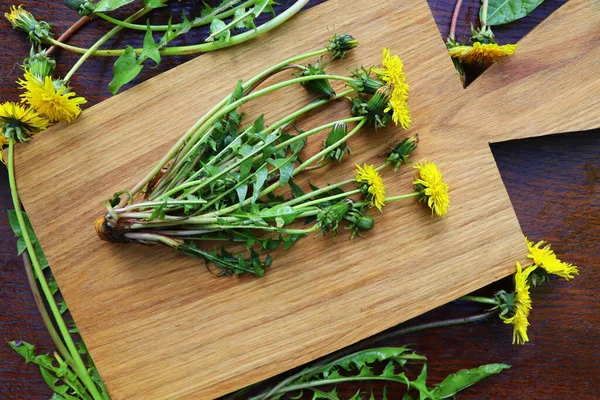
x=89 y=52
x=185 y=138
x=199 y=22
x=202 y=47
x=80 y=368
x=39 y=301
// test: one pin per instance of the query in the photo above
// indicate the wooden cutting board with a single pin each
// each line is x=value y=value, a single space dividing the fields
x=160 y=326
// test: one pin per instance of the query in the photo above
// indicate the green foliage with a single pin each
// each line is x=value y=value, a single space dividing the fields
x=21 y=247
x=464 y=378
x=504 y=11
x=388 y=364
x=129 y=64
x=57 y=374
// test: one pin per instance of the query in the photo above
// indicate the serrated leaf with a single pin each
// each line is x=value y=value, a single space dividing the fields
x=125 y=69
x=219 y=31
x=243 y=23
x=259 y=124
x=285 y=172
x=261 y=176
x=464 y=378
x=24 y=349
x=241 y=192
x=150 y=48
x=296 y=190
x=286 y=213
x=504 y=11
x=109 y=5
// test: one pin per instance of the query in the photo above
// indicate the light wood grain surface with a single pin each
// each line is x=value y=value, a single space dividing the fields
x=145 y=310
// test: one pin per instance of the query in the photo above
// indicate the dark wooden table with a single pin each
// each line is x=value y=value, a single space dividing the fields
x=554 y=185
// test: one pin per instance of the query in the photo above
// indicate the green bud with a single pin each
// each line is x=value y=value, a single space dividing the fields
x=337 y=133
x=321 y=87
x=358 y=221
x=482 y=35
x=339 y=45
x=39 y=64
x=329 y=217
x=364 y=83
x=83 y=7
x=374 y=108
x=506 y=303
x=21 y=19
x=402 y=150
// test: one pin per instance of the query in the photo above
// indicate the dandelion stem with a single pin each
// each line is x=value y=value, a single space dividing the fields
x=480 y=299
x=186 y=137
x=69 y=32
x=483 y=14
x=218 y=13
x=89 y=52
x=202 y=47
x=80 y=368
x=402 y=197
x=328 y=198
x=39 y=301
x=454 y=21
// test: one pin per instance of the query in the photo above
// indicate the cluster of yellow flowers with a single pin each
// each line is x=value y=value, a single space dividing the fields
x=44 y=100
x=545 y=259
x=392 y=74
x=429 y=184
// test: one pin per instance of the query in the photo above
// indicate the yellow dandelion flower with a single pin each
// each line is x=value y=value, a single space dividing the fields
x=16 y=14
x=433 y=189
x=23 y=121
x=392 y=74
x=481 y=53
x=18 y=122
x=522 y=306
x=544 y=257
x=50 y=98
x=372 y=185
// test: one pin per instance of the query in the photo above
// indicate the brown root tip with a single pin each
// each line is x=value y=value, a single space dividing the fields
x=102 y=229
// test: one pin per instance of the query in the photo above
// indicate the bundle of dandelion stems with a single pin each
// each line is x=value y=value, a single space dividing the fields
x=217 y=183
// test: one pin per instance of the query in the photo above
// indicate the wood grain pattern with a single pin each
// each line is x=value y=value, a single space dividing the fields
x=163 y=321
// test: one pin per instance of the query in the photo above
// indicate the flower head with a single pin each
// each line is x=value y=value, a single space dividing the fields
x=22 y=19
x=522 y=306
x=433 y=189
x=19 y=122
x=481 y=53
x=51 y=98
x=392 y=74
x=544 y=257
x=371 y=184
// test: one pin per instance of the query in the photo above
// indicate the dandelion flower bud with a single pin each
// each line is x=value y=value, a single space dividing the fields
x=339 y=45
x=337 y=133
x=22 y=19
x=329 y=217
x=321 y=87
x=402 y=150
x=83 y=7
